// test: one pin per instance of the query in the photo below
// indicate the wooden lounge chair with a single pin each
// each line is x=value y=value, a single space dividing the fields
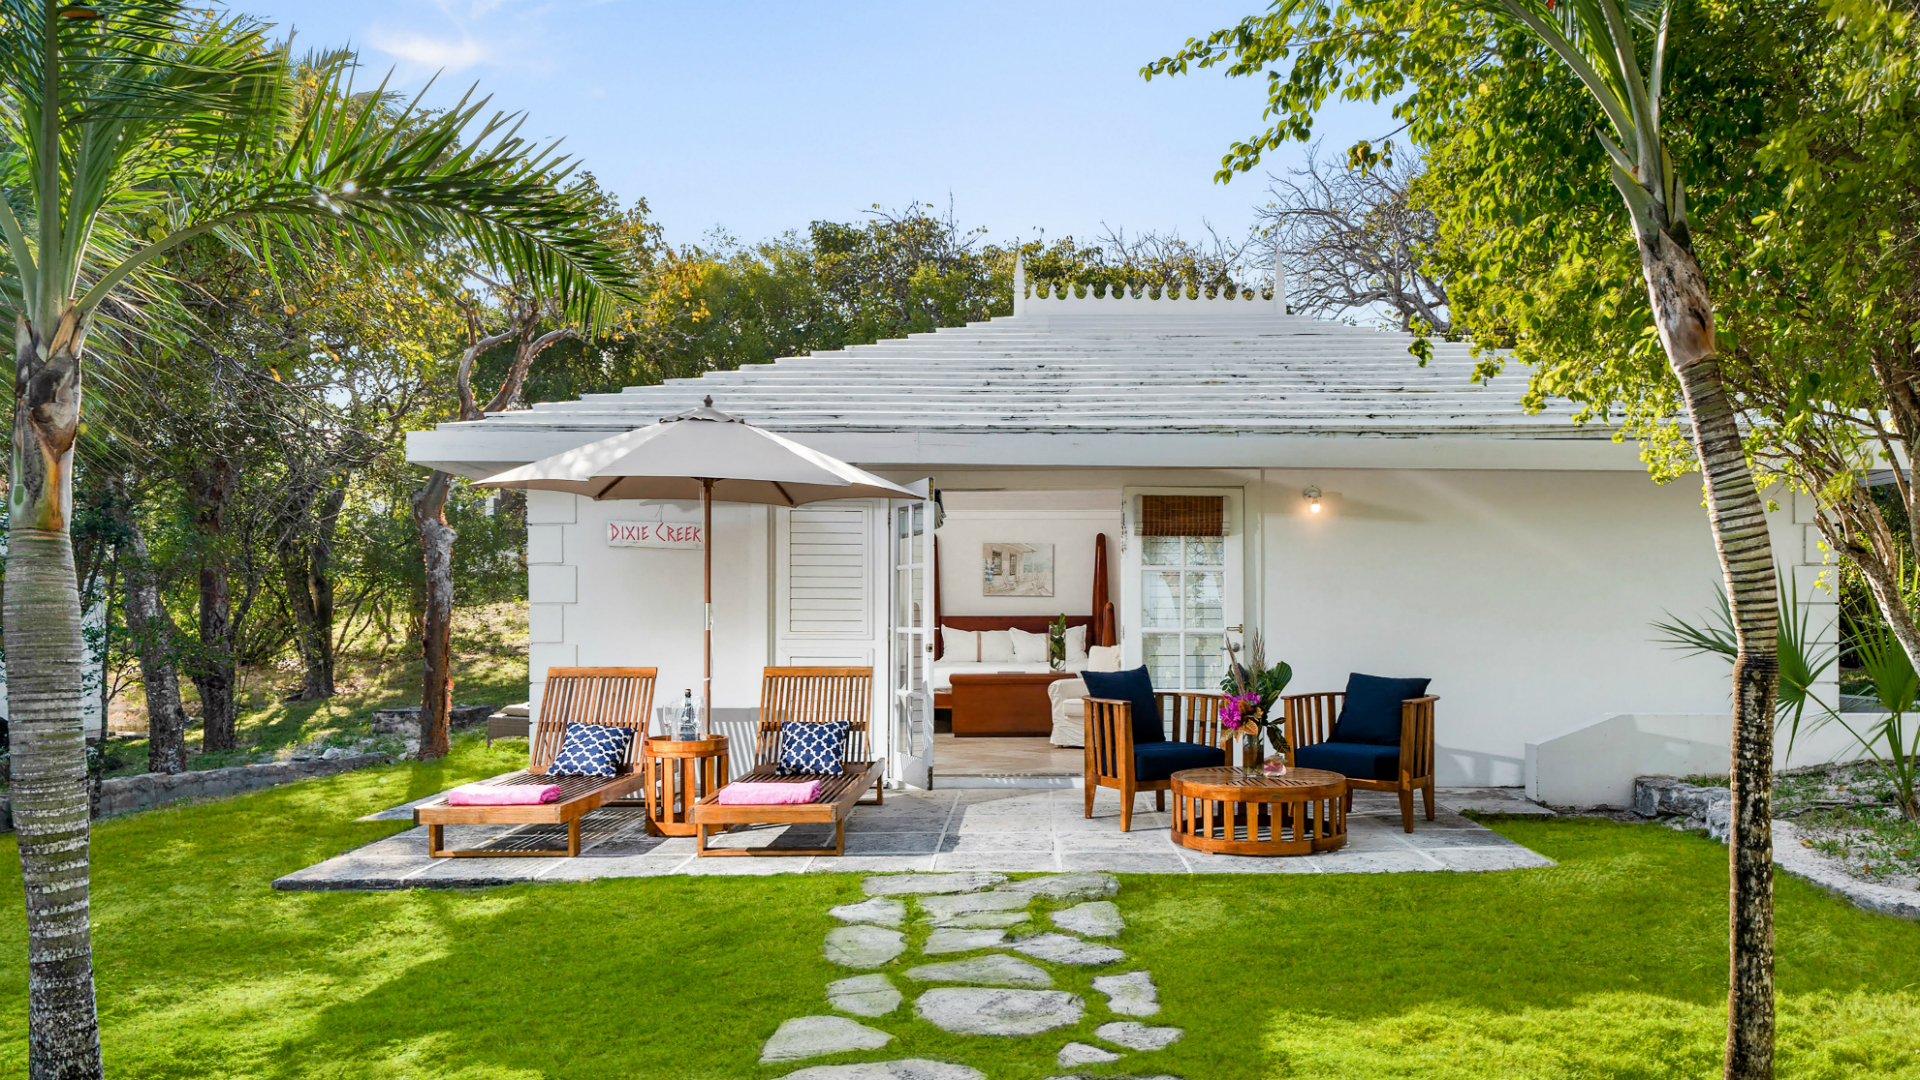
x=803 y=695
x=1116 y=759
x=1402 y=768
x=616 y=697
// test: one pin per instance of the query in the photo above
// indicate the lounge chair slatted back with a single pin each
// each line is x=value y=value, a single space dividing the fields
x=1310 y=722
x=814 y=695
x=803 y=695
x=1110 y=754
x=612 y=696
x=615 y=697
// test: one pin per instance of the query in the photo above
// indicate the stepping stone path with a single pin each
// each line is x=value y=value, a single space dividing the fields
x=812 y=1036
x=996 y=970
x=1067 y=886
x=1138 y=1036
x=945 y=906
x=983 y=919
x=951 y=941
x=880 y=911
x=1132 y=994
x=1096 y=918
x=907 y=1069
x=1066 y=949
x=994 y=995
x=1075 y=1053
x=864 y=946
x=928 y=884
x=865 y=995
x=971 y=1011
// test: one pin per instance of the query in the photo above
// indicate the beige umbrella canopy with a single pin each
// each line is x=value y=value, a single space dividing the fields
x=706 y=453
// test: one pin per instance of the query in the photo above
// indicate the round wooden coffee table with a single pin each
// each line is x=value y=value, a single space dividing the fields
x=677 y=775
x=1238 y=812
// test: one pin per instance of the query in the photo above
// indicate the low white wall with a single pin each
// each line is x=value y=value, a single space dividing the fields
x=1595 y=764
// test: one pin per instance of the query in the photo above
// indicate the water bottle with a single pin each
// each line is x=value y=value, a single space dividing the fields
x=689 y=720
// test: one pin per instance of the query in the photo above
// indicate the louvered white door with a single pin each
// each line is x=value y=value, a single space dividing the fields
x=830 y=595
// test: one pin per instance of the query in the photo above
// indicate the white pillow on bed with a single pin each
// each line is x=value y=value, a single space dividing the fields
x=1103 y=658
x=996 y=647
x=959 y=645
x=1028 y=648
x=1076 y=644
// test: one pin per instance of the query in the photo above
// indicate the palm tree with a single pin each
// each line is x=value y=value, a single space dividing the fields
x=126 y=129
x=1598 y=41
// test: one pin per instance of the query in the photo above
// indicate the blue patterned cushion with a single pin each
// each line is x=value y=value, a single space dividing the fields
x=592 y=750
x=811 y=748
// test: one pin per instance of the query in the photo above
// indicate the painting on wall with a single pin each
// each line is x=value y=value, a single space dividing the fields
x=1017 y=569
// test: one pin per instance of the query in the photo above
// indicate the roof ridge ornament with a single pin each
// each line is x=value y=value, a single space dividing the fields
x=1128 y=298
x=704 y=412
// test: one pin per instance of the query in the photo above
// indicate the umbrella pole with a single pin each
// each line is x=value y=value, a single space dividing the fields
x=706 y=548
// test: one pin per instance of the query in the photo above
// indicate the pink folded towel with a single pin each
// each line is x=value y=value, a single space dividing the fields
x=503 y=795
x=768 y=794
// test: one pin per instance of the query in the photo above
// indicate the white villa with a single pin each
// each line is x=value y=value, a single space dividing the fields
x=1373 y=516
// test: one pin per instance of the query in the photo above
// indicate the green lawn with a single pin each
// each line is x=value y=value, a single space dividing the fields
x=1611 y=965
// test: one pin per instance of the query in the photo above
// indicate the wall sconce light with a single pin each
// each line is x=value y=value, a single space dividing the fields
x=1312 y=495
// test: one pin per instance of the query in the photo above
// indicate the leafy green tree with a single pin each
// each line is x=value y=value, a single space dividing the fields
x=1553 y=99
x=128 y=129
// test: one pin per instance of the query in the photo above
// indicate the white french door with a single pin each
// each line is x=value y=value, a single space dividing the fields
x=912 y=645
x=1184 y=598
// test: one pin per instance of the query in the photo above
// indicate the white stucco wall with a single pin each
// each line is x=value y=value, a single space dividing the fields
x=590 y=604
x=1526 y=596
x=1596 y=764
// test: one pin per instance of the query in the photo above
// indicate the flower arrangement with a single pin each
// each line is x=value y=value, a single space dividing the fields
x=1253 y=690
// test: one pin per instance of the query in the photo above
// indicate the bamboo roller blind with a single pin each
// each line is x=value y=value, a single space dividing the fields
x=1183 y=515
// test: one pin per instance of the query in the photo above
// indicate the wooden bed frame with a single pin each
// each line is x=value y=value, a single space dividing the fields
x=1013 y=704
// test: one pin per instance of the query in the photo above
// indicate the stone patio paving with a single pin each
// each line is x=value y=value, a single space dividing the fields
x=1005 y=830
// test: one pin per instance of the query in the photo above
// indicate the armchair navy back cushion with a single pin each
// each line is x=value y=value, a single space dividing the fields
x=1136 y=687
x=1372 y=711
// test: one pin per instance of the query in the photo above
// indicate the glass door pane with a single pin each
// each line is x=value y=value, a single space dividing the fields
x=1183 y=610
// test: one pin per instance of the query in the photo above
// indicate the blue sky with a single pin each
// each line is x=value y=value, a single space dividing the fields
x=758 y=117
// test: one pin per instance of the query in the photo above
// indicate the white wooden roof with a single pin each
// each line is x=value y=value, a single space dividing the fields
x=1073 y=382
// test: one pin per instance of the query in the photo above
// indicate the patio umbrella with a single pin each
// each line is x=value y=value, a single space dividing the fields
x=706 y=452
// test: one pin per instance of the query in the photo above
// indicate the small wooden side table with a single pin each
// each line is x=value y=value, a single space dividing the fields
x=1238 y=812
x=676 y=775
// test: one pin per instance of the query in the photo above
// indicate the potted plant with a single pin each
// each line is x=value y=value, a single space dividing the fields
x=1057 y=642
x=1253 y=695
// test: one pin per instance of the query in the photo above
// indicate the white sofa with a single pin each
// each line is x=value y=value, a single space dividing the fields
x=1069 y=698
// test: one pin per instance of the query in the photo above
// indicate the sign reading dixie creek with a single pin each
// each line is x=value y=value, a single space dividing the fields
x=654 y=534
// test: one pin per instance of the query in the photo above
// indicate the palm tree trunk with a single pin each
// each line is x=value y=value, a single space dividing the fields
x=41 y=610
x=1684 y=316
x=436 y=545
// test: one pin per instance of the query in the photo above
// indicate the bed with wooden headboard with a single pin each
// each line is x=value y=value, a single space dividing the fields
x=1005 y=698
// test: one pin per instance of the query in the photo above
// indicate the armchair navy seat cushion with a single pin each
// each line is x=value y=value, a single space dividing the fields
x=1371 y=714
x=1135 y=687
x=1351 y=760
x=1159 y=761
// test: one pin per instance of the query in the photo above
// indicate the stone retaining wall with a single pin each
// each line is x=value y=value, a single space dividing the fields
x=126 y=794
x=1711 y=808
